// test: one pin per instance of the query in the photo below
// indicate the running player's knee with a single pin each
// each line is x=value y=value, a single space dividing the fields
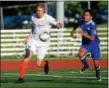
x=82 y=52
x=27 y=53
x=97 y=63
x=38 y=65
x=81 y=55
x=97 y=66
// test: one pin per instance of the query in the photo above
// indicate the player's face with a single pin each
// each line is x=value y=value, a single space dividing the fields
x=40 y=12
x=87 y=17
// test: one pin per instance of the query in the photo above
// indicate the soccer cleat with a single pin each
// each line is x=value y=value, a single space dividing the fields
x=98 y=75
x=84 y=69
x=46 y=67
x=20 y=80
x=99 y=78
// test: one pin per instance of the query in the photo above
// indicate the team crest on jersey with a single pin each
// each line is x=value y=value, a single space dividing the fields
x=88 y=28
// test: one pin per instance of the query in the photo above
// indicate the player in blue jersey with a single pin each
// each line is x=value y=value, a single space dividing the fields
x=90 y=42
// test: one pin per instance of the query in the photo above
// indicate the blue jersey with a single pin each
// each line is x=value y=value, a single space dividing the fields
x=91 y=29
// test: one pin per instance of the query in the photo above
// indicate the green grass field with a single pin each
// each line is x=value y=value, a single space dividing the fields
x=66 y=78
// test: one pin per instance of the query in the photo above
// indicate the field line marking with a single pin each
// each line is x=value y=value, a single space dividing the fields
x=58 y=76
x=104 y=71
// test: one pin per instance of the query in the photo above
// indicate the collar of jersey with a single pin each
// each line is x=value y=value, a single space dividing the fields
x=40 y=18
x=89 y=22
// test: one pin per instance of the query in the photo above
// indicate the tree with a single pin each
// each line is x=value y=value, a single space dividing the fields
x=103 y=4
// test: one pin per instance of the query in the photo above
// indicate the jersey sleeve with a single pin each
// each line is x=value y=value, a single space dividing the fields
x=32 y=17
x=93 y=30
x=52 y=20
x=32 y=23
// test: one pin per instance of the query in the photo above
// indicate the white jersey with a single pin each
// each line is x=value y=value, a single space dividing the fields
x=40 y=25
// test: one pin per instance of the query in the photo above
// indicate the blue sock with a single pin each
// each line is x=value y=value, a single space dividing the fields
x=84 y=61
x=97 y=69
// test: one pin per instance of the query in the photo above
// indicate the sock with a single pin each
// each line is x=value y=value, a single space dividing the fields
x=84 y=61
x=23 y=68
x=97 y=69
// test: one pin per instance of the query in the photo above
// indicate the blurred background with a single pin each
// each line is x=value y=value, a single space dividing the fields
x=15 y=26
x=17 y=14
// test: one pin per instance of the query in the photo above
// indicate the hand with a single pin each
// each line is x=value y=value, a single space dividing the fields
x=73 y=34
x=26 y=40
x=58 y=25
x=81 y=32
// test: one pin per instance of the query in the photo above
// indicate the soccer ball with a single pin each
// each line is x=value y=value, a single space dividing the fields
x=44 y=36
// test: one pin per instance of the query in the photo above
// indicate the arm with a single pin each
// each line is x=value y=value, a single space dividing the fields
x=28 y=37
x=75 y=26
x=54 y=22
x=93 y=32
x=58 y=25
x=90 y=37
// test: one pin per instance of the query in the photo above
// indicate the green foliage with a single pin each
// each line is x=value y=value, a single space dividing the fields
x=73 y=5
x=103 y=4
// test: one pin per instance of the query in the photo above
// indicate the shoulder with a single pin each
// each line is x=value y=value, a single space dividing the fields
x=48 y=16
x=34 y=15
x=81 y=21
x=92 y=23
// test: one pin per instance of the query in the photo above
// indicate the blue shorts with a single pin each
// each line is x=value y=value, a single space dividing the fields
x=94 y=49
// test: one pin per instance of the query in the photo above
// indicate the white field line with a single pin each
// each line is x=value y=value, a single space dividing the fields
x=15 y=74
x=57 y=76
x=104 y=71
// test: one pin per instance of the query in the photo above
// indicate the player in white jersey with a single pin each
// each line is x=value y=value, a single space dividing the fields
x=41 y=23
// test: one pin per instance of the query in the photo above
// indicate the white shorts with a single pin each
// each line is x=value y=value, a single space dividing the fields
x=36 y=48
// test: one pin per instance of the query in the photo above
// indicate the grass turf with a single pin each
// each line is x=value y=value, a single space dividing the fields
x=61 y=78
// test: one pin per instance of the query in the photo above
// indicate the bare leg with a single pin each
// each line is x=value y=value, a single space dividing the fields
x=82 y=56
x=42 y=63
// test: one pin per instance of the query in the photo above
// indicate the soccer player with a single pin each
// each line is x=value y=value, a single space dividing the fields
x=40 y=22
x=90 y=42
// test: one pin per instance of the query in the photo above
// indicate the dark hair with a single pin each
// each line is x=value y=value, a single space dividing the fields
x=90 y=12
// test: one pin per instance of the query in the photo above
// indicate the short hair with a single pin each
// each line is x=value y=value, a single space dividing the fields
x=42 y=5
x=90 y=12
